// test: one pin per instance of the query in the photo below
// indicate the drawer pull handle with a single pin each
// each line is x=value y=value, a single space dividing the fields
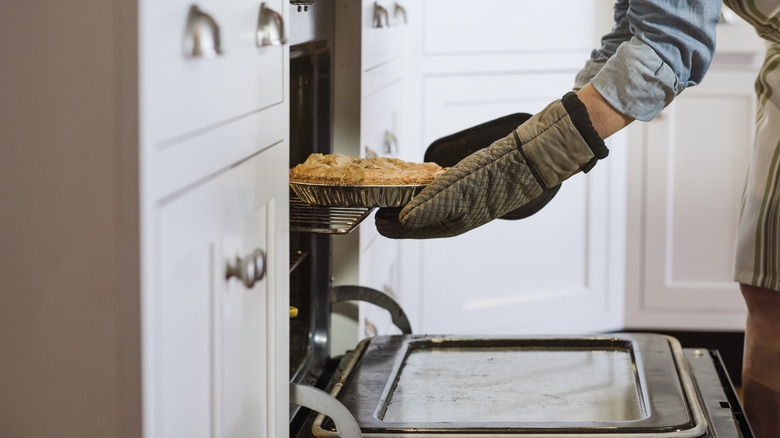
x=270 y=28
x=201 y=39
x=370 y=153
x=381 y=17
x=399 y=15
x=249 y=269
x=391 y=144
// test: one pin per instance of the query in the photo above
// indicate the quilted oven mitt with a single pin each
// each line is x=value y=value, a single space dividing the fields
x=551 y=146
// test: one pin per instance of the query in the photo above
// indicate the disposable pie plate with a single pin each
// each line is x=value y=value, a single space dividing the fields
x=355 y=195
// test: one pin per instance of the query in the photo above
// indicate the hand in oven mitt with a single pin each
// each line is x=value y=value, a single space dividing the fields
x=551 y=146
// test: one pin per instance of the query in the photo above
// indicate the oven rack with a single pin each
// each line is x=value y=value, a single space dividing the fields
x=309 y=218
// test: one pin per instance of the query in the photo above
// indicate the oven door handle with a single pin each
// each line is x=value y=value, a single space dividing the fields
x=373 y=296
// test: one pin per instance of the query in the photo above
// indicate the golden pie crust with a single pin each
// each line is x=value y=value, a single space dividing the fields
x=338 y=169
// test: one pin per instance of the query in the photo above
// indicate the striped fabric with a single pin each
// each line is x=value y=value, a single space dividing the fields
x=757 y=260
x=764 y=15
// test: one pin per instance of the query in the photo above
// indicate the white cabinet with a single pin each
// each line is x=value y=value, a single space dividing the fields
x=189 y=95
x=218 y=342
x=686 y=176
x=148 y=172
x=552 y=272
x=214 y=191
x=372 y=117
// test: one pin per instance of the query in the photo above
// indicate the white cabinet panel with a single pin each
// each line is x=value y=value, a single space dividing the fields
x=501 y=26
x=544 y=274
x=381 y=124
x=184 y=95
x=219 y=346
x=379 y=269
x=692 y=174
x=383 y=31
x=552 y=272
x=455 y=102
x=172 y=169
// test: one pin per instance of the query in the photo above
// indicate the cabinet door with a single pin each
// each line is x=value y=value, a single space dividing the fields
x=379 y=270
x=218 y=346
x=502 y=26
x=548 y=273
x=692 y=172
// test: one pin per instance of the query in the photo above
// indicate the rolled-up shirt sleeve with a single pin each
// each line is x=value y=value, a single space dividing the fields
x=655 y=50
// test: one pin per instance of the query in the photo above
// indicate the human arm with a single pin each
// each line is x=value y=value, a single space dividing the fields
x=656 y=50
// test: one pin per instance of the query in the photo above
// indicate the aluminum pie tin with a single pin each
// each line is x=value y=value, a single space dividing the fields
x=355 y=196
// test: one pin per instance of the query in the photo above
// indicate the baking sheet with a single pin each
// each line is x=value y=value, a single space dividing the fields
x=515 y=384
x=355 y=196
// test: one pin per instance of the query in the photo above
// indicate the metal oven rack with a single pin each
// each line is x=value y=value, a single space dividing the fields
x=308 y=218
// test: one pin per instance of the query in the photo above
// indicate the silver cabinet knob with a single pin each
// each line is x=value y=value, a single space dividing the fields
x=270 y=27
x=381 y=17
x=249 y=269
x=201 y=38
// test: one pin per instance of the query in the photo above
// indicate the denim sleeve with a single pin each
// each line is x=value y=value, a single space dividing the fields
x=656 y=49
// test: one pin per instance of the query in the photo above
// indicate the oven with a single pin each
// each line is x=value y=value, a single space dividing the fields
x=617 y=385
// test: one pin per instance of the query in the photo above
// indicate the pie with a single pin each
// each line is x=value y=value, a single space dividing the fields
x=338 y=169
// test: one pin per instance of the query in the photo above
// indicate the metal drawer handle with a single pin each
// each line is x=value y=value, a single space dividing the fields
x=270 y=27
x=249 y=269
x=370 y=153
x=399 y=11
x=391 y=144
x=381 y=17
x=201 y=38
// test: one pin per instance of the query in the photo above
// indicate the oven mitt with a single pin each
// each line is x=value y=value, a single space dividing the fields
x=551 y=146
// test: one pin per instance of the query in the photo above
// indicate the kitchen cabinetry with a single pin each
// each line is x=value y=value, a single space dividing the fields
x=156 y=167
x=215 y=224
x=372 y=114
x=216 y=338
x=686 y=176
x=552 y=272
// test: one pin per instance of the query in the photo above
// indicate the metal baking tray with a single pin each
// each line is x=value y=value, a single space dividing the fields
x=355 y=196
x=626 y=385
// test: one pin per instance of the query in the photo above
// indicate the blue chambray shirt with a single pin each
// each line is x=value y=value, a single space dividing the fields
x=656 y=49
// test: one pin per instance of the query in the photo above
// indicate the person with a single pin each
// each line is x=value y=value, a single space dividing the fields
x=655 y=50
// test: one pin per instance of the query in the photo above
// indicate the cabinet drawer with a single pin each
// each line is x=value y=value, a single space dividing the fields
x=382 y=44
x=380 y=122
x=182 y=94
x=501 y=26
x=173 y=168
x=480 y=98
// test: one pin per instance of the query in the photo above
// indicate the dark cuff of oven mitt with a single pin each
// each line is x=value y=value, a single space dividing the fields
x=581 y=120
x=568 y=126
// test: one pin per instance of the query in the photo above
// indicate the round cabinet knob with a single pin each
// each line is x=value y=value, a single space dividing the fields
x=249 y=269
